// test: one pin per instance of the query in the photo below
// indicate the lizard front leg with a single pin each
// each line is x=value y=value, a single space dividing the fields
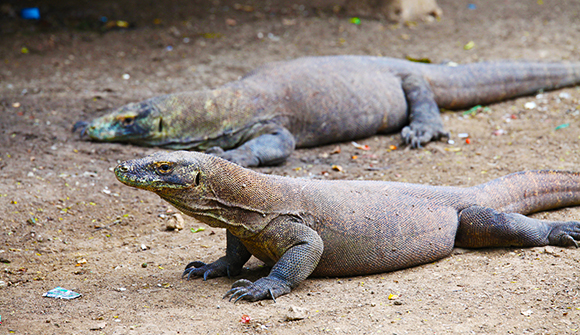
x=425 y=123
x=271 y=148
x=230 y=265
x=300 y=248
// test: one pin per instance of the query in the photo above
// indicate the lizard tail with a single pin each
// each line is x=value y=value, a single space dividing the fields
x=532 y=191
x=468 y=85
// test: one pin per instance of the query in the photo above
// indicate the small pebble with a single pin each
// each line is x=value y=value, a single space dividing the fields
x=175 y=222
x=564 y=95
x=126 y=76
x=530 y=105
x=296 y=313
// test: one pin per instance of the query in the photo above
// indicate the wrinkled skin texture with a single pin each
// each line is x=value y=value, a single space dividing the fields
x=312 y=101
x=304 y=227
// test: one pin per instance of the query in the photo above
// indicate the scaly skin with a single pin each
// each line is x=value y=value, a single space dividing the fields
x=260 y=119
x=304 y=227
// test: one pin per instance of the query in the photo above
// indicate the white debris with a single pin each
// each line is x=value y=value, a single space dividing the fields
x=530 y=105
x=564 y=95
x=527 y=313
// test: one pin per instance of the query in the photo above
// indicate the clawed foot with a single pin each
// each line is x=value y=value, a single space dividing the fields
x=565 y=235
x=418 y=134
x=82 y=126
x=263 y=288
x=241 y=157
x=216 y=151
x=218 y=268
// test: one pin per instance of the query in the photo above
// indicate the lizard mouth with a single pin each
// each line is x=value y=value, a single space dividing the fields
x=130 y=176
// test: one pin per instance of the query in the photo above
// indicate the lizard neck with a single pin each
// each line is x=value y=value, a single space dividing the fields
x=223 y=117
x=237 y=199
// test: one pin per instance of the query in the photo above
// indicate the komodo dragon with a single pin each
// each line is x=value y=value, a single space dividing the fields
x=312 y=101
x=304 y=227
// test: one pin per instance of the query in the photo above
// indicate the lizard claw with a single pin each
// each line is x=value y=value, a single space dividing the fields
x=218 y=268
x=566 y=234
x=240 y=297
x=416 y=135
x=263 y=288
x=272 y=295
x=82 y=125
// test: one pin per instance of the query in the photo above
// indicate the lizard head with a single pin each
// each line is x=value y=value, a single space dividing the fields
x=211 y=189
x=161 y=172
x=134 y=122
x=195 y=120
x=179 y=177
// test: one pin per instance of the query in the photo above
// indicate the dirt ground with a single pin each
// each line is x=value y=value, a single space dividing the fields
x=67 y=221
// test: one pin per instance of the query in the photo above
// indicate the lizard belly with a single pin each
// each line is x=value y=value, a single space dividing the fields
x=325 y=105
x=387 y=241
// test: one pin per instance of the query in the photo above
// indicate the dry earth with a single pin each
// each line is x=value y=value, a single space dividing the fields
x=67 y=222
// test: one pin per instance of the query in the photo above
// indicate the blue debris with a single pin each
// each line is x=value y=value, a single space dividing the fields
x=32 y=13
x=61 y=293
x=471 y=6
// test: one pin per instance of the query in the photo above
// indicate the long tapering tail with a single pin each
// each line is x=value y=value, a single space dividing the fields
x=532 y=191
x=483 y=83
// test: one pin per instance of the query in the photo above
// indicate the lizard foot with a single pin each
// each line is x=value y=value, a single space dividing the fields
x=263 y=288
x=241 y=157
x=218 y=268
x=417 y=134
x=82 y=126
x=216 y=151
x=565 y=234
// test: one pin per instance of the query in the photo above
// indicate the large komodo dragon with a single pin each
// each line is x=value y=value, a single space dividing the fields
x=304 y=227
x=260 y=119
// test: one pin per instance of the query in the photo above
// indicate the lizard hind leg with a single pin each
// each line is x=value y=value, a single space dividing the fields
x=486 y=227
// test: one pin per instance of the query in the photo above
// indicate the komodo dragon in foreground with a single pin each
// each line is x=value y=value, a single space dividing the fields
x=307 y=102
x=304 y=227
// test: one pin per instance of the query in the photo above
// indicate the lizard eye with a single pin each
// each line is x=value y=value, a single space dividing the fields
x=127 y=121
x=164 y=168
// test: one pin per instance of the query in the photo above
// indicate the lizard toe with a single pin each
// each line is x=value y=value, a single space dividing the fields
x=205 y=271
x=565 y=235
x=263 y=288
x=195 y=264
x=417 y=135
x=82 y=126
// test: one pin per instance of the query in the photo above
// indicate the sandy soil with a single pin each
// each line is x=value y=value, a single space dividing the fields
x=67 y=222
